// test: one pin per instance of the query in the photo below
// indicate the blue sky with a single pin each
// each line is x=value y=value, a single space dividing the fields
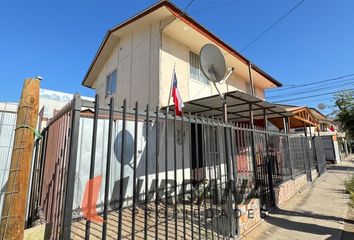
x=58 y=39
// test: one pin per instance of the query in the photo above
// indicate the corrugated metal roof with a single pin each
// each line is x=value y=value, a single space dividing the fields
x=238 y=104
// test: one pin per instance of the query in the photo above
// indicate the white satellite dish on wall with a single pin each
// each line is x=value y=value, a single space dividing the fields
x=212 y=63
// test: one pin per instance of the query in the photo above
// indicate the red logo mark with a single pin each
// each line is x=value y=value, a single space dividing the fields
x=89 y=201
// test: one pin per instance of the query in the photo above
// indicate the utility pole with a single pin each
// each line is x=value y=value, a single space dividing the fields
x=15 y=198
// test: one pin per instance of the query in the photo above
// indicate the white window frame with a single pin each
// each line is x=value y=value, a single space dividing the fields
x=200 y=77
x=110 y=92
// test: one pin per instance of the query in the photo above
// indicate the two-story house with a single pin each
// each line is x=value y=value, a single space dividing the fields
x=136 y=59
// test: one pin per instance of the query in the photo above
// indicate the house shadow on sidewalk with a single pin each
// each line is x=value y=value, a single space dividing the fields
x=340 y=168
x=313 y=215
x=335 y=234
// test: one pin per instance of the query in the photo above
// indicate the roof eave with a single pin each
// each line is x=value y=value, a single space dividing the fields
x=130 y=20
x=184 y=17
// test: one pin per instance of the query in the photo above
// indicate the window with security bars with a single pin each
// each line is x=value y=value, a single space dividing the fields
x=195 y=71
x=111 y=83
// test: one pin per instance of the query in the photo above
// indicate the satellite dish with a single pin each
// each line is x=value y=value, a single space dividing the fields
x=321 y=106
x=212 y=63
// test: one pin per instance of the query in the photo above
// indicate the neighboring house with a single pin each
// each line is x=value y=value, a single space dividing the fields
x=311 y=122
x=136 y=60
x=49 y=103
x=325 y=124
x=53 y=101
x=336 y=146
x=302 y=120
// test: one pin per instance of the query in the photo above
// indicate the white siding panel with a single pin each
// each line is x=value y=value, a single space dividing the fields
x=141 y=67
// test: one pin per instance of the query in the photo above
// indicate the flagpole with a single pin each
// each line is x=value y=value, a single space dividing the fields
x=170 y=93
x=167 y=109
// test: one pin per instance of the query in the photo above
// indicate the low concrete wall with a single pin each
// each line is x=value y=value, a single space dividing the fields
x=314 y=174
x=288 y=189
x=249 y=212
x=284 y=192
x=300 y=182
x=249 y=215
x=35 y=233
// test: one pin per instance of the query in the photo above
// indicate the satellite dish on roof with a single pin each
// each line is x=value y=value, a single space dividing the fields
x=212 y=63
x=321 y=106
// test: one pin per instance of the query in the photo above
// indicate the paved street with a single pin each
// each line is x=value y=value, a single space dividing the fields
x=319 y=212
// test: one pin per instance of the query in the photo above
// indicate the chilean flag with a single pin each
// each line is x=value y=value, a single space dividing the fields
x=177 y=100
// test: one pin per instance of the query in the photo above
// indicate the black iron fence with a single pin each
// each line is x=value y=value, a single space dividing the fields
x=111 y=172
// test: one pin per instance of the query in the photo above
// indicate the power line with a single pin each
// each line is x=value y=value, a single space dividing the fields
x=215 y=6
x=271 y=26
x=186 y=8
x=312 y=83
x=320 y=99
x=313 y=90
x=314 y=102
x=180 y=15
x=305 y=97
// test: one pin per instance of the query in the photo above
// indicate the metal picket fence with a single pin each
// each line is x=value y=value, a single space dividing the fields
x=108 y=171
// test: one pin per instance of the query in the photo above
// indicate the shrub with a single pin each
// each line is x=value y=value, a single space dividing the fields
x=349 y=186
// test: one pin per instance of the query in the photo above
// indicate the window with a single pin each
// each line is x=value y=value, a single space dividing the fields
x=195 y=71
x=111 y=83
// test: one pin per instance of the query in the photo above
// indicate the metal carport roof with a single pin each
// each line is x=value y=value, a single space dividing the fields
x=238 y=110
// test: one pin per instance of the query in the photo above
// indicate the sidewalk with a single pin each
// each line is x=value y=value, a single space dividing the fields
x=318 y=212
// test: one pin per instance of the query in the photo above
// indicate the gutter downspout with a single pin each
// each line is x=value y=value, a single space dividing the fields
x=251 y=78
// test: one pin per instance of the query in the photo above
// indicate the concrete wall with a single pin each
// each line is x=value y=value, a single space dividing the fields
x=249 y=215
x=144 y=70
x=336 y=150
x=314 y=174
x=136 y=60
x=289 y=188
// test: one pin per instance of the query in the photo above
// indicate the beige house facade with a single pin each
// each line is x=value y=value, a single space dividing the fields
x=136 y=60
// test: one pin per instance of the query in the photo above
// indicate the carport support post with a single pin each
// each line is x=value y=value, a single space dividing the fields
x=229 y=209
x=269 y=163
x=286 y=125
x=253 y=149
x=71 y=172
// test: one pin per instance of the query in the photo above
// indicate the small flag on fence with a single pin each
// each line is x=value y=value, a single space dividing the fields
x=177 y=100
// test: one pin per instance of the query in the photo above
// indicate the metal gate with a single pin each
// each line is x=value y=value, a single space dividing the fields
x=328 y=148
x=320 y=155
x=270 y=167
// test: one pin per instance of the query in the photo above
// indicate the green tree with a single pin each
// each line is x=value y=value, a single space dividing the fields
x=345 y=115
